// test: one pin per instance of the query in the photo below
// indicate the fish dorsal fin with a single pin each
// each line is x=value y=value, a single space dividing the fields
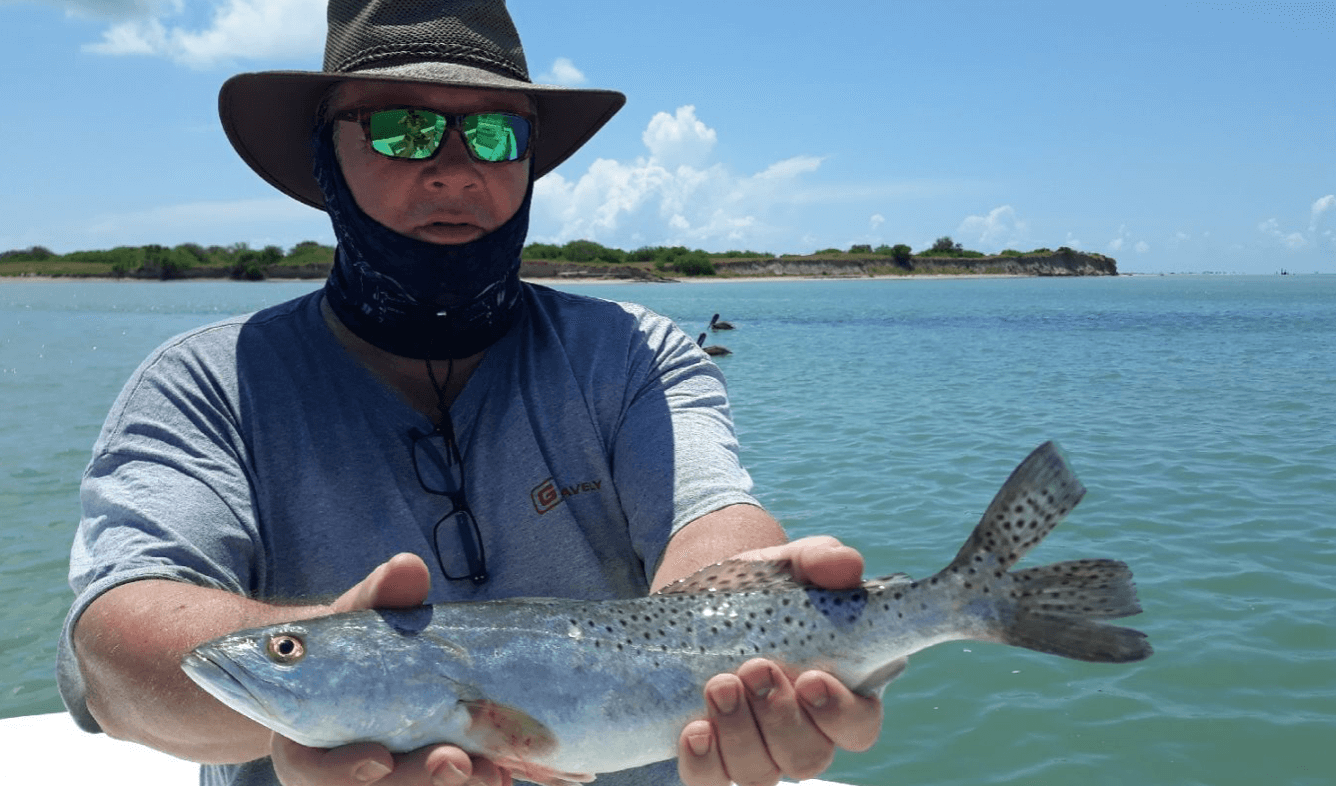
x=891 y=580
x=736 y=575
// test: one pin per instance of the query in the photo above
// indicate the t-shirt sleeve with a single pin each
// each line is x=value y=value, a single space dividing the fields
x=703 y=470
x=165 y=495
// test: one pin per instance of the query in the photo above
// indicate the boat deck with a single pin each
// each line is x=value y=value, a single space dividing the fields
x=51 y=750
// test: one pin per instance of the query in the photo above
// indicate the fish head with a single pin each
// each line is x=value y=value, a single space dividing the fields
x=329 y=681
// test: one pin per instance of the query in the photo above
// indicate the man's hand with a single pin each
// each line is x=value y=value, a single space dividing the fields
x=763 y=723
x=401 y=582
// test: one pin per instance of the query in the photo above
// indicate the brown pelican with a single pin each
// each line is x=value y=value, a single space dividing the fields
x=713 y=349
x=718 y=324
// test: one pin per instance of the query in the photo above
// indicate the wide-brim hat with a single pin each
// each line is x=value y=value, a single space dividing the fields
x=269 y=115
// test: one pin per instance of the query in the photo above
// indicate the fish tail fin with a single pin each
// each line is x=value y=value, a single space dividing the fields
x=1054 y=609
x=1039 y=493
x=1058 y=608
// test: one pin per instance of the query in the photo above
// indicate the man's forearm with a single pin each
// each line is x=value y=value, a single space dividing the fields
x=129 y=643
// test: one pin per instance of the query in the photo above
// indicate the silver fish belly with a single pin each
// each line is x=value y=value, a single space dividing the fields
x=561 y=689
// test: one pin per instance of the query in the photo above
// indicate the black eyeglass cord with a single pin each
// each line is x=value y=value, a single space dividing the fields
x=446 y=428
x=444 y=425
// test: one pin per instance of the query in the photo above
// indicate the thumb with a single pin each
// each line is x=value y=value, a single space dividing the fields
x=399 y=582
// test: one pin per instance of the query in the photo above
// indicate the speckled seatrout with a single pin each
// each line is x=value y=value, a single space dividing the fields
x=560 y=689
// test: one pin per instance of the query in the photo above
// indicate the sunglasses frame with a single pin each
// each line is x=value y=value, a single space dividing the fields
x=453 y=120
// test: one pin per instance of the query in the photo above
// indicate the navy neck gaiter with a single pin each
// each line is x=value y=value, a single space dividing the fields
x=412 y=298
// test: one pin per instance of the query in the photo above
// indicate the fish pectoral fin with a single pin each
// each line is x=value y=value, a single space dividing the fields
x=736 y=575
x=537 y=773
x=504 y=732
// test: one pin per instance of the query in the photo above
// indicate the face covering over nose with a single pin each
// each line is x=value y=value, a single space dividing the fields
x=412 y=298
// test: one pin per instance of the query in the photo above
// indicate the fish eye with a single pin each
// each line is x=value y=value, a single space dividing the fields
x=285 y=648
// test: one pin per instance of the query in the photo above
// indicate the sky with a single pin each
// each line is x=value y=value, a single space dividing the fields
x=1172 y=136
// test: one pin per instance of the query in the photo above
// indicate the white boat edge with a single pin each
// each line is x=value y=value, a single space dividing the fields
x=69 y=755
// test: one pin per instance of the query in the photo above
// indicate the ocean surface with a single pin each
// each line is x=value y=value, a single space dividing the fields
x=1199 y=411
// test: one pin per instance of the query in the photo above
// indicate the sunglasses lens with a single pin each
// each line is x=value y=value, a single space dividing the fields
x=406 y=133
x=497 y=136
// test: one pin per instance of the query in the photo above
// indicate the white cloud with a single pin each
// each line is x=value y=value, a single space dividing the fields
x=563 y=72
x=1141 y=247
x=674 y=195
x=238 y=29
x=1320 y=207
x=1298 y=240
x=1118 y=242
x=111 y=9
x=876 y=220
x=678 y=140
x=1294 y=241
x=998 y=230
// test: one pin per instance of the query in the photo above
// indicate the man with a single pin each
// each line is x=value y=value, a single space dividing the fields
x=403 y=436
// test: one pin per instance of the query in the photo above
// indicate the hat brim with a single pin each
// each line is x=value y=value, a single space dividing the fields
x=268 y=116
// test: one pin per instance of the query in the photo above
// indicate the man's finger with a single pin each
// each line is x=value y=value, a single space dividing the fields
x=820 y=559
x=698 y=762
x=851 y=721
x=741 y=747
x=298 y=765
x=799 y=748
x=401 y=581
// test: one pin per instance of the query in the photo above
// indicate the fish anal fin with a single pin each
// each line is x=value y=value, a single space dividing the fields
x=736 y=575
x=537 y=773
x=503 y=732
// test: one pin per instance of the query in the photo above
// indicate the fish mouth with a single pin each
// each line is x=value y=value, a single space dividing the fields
x=216 y=677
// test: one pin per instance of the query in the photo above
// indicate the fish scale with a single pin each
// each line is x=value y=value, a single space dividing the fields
x=560 y=690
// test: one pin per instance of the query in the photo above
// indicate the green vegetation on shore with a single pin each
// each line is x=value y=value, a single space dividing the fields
x=188 y=260
x=310 y=259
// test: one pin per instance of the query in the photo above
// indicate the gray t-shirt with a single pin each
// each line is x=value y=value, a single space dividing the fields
x=256 y=456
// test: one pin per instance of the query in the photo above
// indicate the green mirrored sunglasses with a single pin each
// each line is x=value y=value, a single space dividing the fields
x=416 y=134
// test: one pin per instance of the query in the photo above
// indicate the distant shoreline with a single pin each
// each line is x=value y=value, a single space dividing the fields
x=552 y=282
x=312 y=262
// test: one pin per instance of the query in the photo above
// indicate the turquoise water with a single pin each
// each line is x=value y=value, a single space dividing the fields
x=1198 y=411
